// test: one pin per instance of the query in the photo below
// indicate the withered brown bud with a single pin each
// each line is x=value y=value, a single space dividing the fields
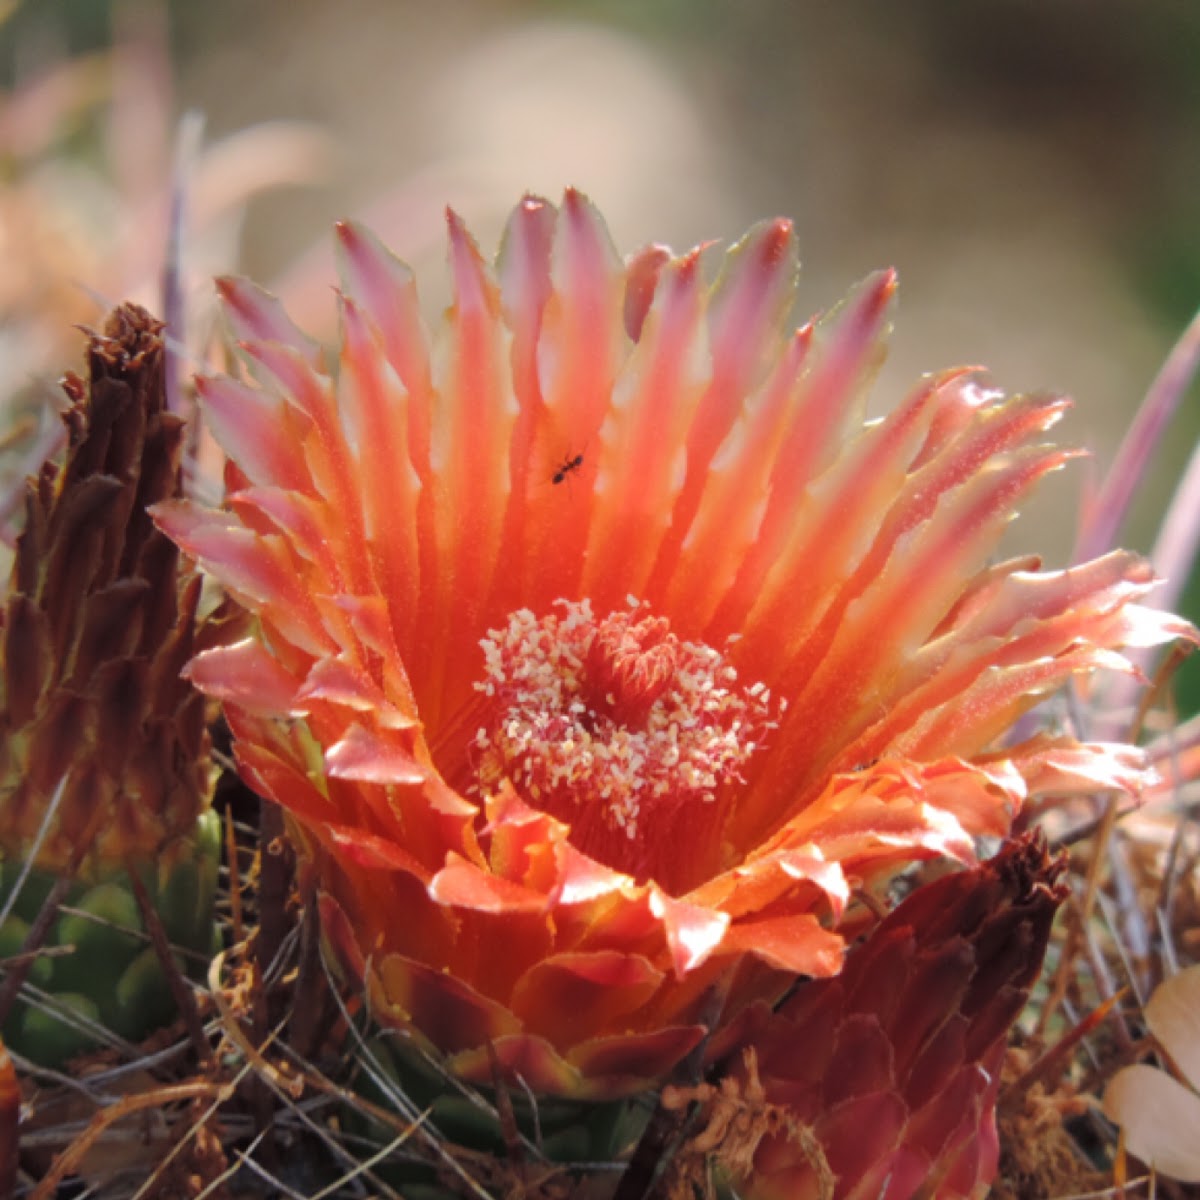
x=98 y=624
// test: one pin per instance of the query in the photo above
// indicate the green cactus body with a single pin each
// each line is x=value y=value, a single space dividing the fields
x=97 y=961
x=565 y=1132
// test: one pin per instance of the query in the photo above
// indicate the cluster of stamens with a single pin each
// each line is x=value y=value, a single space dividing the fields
x=617 y=714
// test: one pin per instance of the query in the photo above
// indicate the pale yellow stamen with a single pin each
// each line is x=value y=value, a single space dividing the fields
x=617 y=713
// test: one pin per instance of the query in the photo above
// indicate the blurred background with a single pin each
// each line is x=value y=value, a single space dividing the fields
x=1031 y=167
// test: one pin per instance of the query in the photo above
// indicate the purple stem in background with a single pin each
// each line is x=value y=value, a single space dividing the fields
x=187 y=145
x=1178 y=542
x=1174 y=553
x=1106 y=514
x=1174 y=742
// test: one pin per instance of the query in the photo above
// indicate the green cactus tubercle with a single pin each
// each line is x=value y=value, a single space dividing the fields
x=97 y=970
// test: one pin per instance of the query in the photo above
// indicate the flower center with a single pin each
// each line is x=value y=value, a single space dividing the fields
x=620 y=729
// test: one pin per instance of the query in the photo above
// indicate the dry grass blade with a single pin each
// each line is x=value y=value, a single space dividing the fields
x=154 y=1098
x=181 y=990
x=232 y=1029
x=48 y=819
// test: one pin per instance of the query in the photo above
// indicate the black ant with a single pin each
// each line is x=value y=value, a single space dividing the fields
x=568 y=465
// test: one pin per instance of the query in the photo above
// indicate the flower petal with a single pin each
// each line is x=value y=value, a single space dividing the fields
x=451 y=1014
x=692 y=932
x=797 y=944
x=256 y=315
x=257 y=429
x=599 y=990
x=461 y=884
x=244 y=674
x=620 y=1063
x=361 y=754
x=371 y=853
x=383 y=286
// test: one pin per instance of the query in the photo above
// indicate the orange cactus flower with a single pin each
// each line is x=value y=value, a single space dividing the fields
x=603 y=650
